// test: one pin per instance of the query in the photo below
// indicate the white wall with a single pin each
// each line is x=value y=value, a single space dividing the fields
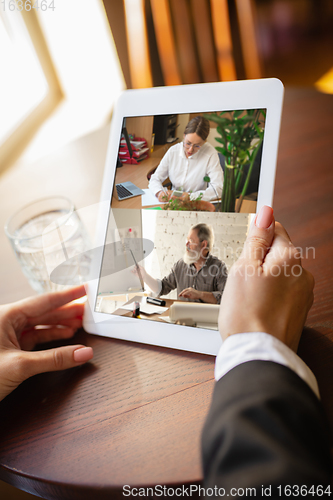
x=212 y=137
x=182 y=121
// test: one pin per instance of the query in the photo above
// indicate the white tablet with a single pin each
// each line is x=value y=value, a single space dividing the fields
x=216 y=143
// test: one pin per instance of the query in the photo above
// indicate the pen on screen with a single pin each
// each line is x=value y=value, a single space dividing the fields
x=139 y=272
x=165 y=191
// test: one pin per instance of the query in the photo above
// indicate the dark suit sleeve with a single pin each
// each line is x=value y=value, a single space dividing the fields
x=265 y=428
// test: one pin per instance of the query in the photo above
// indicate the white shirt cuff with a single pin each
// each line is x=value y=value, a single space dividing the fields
x=156 y=294
x=243 y=347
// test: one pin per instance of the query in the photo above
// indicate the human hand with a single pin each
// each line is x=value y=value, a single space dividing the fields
x=190 y=293
x=267 y=289
x=142 y=270
x=185 y=196
x=21 y=331
x=164 y=195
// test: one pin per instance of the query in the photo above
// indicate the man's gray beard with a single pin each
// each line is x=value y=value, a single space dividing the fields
x=189 y=259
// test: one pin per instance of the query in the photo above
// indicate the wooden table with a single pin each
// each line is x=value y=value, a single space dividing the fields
x=134 y=415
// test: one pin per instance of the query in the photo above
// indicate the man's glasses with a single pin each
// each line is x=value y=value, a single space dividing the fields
x=191 y=242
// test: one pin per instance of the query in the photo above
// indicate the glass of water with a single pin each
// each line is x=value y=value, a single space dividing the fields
x=48 y=235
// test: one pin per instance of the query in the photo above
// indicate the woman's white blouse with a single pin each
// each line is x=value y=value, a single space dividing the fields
x=187 y=174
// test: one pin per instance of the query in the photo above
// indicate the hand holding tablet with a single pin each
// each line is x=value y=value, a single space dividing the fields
x=183 y=102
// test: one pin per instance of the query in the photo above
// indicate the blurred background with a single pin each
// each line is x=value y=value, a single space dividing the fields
x=287 y=39
x=62 y=65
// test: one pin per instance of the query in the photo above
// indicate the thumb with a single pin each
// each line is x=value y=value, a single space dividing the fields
x=56 y=359
x=260 y=236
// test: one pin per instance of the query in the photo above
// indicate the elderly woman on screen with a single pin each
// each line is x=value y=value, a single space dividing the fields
x=187 y=163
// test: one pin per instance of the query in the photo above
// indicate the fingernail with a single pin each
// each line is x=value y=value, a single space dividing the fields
x=83 y=354
x=265 y=217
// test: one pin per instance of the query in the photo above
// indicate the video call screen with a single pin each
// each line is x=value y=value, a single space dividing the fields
x=150 y=243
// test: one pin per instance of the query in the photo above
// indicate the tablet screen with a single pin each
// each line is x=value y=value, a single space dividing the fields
x=221 y=138
x=208 y=167
x=187 y=168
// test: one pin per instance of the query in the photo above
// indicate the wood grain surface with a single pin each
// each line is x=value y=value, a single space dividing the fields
x=134 y=415
x=303 y=203
x=125 y=418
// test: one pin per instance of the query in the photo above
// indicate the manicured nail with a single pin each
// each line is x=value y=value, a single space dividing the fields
x=265 y=217
x=83 y=354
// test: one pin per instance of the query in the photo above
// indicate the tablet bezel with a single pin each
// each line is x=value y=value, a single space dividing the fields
x=209 y=97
